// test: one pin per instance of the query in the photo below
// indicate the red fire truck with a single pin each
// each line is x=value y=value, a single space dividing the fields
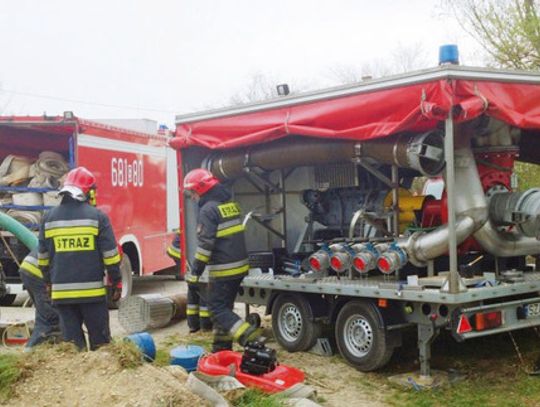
x=136 y=175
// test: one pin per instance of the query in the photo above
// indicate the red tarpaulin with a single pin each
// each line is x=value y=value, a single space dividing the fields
x=372 y=114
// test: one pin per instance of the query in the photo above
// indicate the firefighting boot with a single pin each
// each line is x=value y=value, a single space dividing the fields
x=222 y=340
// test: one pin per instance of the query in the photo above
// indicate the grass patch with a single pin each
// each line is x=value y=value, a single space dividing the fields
x=164 y=347
x=10 y=372
x=162 y=358
x=492 y=374
x=256 y=398
x=523 y=391
x=126 y=353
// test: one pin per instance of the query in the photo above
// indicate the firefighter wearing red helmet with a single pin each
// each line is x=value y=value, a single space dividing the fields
x=221 y=250
x=76 y=245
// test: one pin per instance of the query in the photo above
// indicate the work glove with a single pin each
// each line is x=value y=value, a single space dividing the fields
x=48 y=288
x=116 y=291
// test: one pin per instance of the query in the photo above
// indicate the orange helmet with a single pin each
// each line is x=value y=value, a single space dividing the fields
x=199 y=181
x=78 y=183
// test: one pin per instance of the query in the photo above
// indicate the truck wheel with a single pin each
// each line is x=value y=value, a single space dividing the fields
x=126 y=273
x=292 y=323
x=360 y=340
x=7 y=300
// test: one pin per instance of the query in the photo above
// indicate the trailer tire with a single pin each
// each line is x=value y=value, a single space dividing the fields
x=7 y=300
x=360 y=338
x=292 y=323
x=126 y=272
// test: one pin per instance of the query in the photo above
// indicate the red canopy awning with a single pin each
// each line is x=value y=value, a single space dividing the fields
x=370 y=114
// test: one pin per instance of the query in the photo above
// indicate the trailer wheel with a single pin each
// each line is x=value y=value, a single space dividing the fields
x=126 y=273
x=360 y=340
x=7 y=300
x=292 y=323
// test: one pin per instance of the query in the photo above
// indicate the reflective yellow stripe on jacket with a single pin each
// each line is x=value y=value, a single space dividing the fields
x=202 y=254
x=229 y=228
x=111 y=257
x=174 y=252
x=228 y=269
x=74 y=294
x=78 y=290
x=69 y=231
x=43 y=259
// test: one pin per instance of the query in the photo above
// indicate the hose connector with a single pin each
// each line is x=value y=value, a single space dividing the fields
x=392 y=260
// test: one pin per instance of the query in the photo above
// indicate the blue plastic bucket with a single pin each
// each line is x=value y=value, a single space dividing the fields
x=186 y=356
x=145 y=343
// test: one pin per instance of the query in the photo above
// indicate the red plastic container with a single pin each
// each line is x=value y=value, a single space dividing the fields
x=226 y=362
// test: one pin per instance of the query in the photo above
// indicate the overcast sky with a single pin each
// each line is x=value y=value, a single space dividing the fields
x=155 y=59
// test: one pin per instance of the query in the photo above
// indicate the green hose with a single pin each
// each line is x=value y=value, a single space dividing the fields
x=22 y=233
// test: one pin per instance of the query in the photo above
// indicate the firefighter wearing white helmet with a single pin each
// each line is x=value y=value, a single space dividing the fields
x=76 y=245
x=221 y=249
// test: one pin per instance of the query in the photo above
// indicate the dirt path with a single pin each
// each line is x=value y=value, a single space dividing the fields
x=337 y=384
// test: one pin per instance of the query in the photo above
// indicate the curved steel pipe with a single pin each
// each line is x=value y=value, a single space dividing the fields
x=471 y=213
x=421 y=247
x=505 y=244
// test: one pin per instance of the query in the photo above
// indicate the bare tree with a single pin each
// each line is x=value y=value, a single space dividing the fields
x=263 y=87
x=508 y=30
x=402 y=59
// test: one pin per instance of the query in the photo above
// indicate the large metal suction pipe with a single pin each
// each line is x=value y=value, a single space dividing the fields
x=422 y=152
x=471 y=214
x=503 y=244
x=518 y=209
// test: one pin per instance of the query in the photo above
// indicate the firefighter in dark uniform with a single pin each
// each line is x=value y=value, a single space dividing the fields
x=76 y=245
x=221 y=249
x=46 y=320
x=198 y=314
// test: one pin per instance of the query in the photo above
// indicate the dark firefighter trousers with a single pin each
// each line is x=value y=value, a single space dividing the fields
x=221 y=296
x=198 y=313
x=94 y=315
x=47 y=322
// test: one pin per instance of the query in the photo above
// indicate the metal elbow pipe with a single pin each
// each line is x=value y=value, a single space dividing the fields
x=505 y=244
x=422 y=247
x=471 y=214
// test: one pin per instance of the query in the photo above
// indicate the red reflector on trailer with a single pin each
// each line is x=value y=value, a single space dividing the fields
x=487 y=320
x=464 y=325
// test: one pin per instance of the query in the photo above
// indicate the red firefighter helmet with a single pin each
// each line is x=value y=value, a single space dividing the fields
x=79 y=181
x=199 y=181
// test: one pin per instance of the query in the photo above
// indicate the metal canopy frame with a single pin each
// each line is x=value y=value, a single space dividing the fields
x=438 y=73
